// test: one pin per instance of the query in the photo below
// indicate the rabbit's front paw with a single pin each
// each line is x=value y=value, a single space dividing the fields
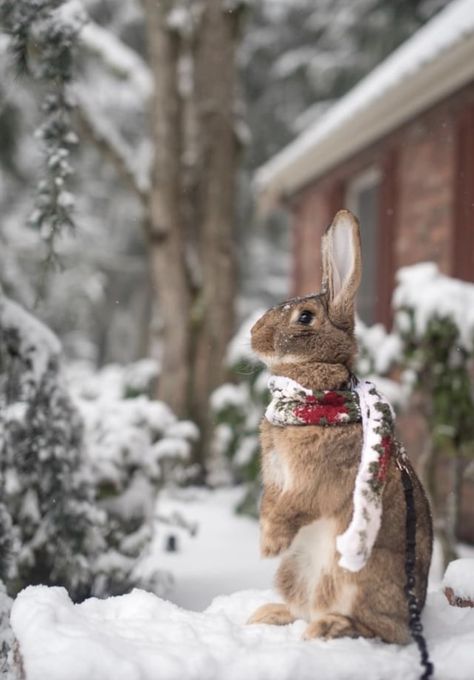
x=274 y=541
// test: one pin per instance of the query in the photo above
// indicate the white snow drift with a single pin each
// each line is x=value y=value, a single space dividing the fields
x=141 y=637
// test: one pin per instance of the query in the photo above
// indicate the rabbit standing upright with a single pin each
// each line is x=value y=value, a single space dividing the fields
x=309 y=472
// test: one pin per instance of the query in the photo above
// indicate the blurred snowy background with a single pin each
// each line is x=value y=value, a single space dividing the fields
x=133 y=262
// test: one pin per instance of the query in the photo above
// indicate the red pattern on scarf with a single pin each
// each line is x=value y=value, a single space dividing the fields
x=387 y=444
x=326 y=409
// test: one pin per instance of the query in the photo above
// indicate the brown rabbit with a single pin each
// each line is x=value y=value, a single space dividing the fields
x=309 y=472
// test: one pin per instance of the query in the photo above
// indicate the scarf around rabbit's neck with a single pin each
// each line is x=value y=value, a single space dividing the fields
x=293 y=404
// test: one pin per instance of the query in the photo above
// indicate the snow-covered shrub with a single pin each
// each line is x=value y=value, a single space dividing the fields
x=378 y=359
x=435 y=322
x=5 y=527
x=132 y=446
x=7 y=666
x=79 y=476
x=378 y=351
x=55 y=527
x=434 y=318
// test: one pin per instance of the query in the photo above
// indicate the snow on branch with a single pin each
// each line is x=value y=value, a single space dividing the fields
x=109 y=141
x=32 y=339
x=118 y=57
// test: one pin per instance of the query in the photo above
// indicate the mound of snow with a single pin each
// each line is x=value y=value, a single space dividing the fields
x=430 y=294
x=141 y=637
x=459 y=577
x=378 y=350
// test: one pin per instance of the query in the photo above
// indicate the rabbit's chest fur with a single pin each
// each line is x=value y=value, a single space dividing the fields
x=305 y=576
x=310 y=471
x=314 y=467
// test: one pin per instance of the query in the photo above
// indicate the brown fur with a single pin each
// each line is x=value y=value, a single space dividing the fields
x=309 y=474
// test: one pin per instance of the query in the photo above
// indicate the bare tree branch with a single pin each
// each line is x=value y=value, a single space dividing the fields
x=120 y=59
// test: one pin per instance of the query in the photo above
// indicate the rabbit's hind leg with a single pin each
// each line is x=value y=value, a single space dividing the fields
x=336 y=626
x=274 y=614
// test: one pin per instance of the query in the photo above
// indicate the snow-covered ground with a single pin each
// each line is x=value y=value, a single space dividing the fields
x=140 y=636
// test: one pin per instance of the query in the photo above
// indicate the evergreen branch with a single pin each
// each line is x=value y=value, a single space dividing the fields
x=43 y=35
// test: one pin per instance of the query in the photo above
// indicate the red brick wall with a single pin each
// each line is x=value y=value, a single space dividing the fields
x=463 y=239
x=425 y=173
x=313 y=211
x=312 y=215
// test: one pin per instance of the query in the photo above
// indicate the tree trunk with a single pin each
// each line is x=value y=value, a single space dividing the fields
x=191 y=208
x=217 y=156
x=166 y=229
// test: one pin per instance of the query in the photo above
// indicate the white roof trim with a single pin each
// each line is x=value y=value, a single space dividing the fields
x=437 y=60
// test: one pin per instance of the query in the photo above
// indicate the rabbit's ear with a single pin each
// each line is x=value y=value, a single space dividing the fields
x=342 y=266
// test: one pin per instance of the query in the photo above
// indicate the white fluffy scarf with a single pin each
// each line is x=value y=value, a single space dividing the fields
x=356 y=543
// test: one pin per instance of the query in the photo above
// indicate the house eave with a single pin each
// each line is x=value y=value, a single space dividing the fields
x=339 y=136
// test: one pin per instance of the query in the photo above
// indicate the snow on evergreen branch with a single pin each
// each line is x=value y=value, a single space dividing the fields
x=33 y=339
x=43 y=35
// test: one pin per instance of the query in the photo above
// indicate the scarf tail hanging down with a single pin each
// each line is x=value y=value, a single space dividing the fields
x=293 y=404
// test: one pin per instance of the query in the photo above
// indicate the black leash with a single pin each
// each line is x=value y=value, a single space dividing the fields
x=414 y=619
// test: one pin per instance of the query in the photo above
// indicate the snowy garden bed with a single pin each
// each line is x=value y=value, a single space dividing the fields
x=142 y=637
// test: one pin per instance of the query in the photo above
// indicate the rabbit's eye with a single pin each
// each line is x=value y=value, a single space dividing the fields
x=305 y=317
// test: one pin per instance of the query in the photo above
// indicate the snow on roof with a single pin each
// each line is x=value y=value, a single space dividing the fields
x=436 y=61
